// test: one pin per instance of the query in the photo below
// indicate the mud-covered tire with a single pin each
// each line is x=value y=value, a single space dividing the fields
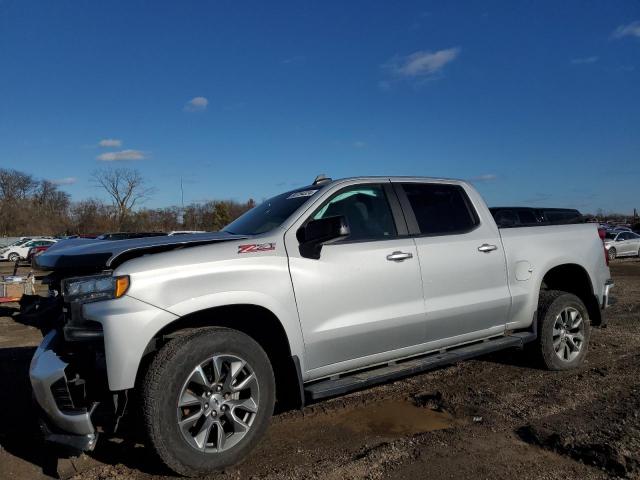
x=164 y=384
x=553 y=306
x=612 y=253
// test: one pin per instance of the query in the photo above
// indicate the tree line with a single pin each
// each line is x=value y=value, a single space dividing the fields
x=29 y=206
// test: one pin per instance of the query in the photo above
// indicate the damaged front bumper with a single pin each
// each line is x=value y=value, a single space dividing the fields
x=64 y=422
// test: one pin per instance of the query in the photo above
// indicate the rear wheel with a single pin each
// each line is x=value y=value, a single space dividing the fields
x=207 y=400
x=612 y=253
x=563 y=330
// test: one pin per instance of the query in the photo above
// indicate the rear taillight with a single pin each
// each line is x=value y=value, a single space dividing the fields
x=602 y=234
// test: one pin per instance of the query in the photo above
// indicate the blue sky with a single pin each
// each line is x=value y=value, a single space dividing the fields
x=537 y=102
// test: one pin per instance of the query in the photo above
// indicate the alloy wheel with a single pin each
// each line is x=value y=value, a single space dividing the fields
x=218 y=403
x=568 y=334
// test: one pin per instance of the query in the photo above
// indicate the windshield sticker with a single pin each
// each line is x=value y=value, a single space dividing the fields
x=304 y=193
x=256 y=248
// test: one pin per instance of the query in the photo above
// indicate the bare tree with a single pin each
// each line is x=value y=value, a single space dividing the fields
x=125 y=186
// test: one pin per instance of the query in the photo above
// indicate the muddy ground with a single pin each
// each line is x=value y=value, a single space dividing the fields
x=499 y=416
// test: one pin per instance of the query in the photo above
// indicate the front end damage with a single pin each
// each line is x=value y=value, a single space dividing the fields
x=68 y=378
x=62 y=396
x=79 y=386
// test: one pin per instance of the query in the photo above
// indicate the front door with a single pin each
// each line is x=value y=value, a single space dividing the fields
x=363 y=296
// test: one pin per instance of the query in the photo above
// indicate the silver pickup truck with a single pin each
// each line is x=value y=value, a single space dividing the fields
x=318 y=291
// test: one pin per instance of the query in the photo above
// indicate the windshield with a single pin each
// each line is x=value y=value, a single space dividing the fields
x=270 y=214
x=610 y=235
x=19 y=242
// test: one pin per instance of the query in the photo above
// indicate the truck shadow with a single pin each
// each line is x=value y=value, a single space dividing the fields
x=513 y=358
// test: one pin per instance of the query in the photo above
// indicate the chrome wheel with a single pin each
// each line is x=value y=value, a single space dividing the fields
x=612 y=253
x=218 y=403
x=568 y=334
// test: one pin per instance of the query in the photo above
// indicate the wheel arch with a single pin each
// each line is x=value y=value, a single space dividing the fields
x=574 y=278
x=256 y=321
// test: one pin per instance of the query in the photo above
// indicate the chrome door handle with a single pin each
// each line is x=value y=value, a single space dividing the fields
x=486 y=248
x=399 y=256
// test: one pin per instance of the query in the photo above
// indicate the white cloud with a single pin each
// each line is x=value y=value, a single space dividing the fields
x=110 y=142
x=583 y=61
x=422 y=64
x=631 y=30
x=64 y=181
x=296 y=59
x=487 y=177
x=196 y=104
x=122 y=155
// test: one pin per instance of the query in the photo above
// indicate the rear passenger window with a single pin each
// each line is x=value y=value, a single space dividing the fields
x=440 y=209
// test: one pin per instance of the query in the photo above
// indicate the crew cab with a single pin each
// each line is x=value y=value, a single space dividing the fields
x=318 y=291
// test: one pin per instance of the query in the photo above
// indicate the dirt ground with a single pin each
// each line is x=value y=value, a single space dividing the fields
x=499 y=416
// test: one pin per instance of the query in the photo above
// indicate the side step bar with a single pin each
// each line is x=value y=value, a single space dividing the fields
x=338 y=386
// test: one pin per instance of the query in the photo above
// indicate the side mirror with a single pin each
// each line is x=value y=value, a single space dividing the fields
x=316 y=233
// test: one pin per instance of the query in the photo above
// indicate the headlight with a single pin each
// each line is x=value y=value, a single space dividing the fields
x=97 y=287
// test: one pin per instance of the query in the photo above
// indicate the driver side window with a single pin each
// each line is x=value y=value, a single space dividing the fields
x=366 y=209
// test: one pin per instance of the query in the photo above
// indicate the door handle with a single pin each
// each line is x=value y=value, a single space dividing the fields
x=486 y=248
x=399 y=256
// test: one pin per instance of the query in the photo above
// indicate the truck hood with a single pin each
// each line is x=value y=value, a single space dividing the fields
x=86 y=255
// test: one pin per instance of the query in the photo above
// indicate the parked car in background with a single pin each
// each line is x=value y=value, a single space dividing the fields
x=19 y=241
x=33 y=251
x=128 y=235
x=72 y=237
x=527 y=216
x=184 y=232
x=20 y=252
x=622 y=244
x=557 y=216
x=619 y=228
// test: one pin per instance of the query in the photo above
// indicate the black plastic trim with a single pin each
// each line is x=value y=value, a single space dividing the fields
x=402 y=229
x=296 y=364
x=393 y=371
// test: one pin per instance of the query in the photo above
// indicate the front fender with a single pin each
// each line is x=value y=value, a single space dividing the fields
x=285 y=311
x=128 y=325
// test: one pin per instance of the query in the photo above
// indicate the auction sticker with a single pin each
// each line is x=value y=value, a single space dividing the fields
x=304 y=193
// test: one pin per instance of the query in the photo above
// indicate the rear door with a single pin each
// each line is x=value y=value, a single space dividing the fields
x=363 y=296
x=463 y=266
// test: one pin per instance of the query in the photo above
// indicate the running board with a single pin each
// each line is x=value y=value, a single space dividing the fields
x=338 y=386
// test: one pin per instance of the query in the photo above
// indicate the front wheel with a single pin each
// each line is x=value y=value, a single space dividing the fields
x=563 y=330
x=612 y=253
x=14 y=257
x=208 y=397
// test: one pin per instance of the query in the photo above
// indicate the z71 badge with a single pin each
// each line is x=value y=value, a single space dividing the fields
x=256 y=247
